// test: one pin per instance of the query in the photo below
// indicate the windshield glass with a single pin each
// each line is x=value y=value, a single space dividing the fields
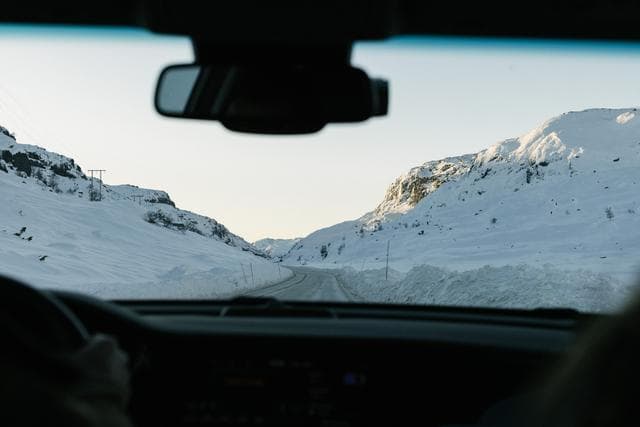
x=505 y=175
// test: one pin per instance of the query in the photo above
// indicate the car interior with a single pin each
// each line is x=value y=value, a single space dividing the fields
x=260 y=361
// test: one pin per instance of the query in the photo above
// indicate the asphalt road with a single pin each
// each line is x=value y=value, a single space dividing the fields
x=306 y=284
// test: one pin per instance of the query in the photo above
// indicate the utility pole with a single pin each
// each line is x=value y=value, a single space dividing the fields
x=253 y=282
x=243 y=275
x=99 y=177
x=386 y=270
x=139 y=197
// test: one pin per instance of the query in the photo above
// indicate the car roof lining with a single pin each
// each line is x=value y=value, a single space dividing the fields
x=305 y=21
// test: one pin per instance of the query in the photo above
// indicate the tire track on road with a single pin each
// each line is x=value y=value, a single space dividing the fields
x=276 y=288
x=308 y=284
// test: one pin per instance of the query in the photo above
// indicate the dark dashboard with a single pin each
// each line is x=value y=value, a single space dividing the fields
x=262 y=362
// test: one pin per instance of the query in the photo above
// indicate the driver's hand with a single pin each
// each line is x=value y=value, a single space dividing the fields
x=86 y=388
x=102 y=392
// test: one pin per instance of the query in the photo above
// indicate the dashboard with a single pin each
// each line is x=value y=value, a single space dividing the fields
x=198 y=364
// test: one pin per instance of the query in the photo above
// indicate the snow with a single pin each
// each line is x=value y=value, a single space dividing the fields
x=308 y=284
x=625 y=117
x=563 y=198
x=108 y=248
x=519 y=286
x=551 y=218
x=275 y=248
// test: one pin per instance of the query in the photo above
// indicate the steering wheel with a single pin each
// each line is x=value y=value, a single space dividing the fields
x=38 y=318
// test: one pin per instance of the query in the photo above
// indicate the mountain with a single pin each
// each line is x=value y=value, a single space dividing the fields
x=275 y=248
x=59 y=228
x=566 y=194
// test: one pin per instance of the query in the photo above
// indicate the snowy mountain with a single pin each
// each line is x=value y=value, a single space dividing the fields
x=59 y=228
x=275 y=248
x=564 y=195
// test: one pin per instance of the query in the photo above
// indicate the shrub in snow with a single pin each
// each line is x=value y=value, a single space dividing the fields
x=192 y=225
x=609 y=213
x=158 y=217
x=376 y=226
x=485 y=173
x=324 y=251
x=529 y=174
x=52 y=182
x=219 y=231
x=39 y=176
x=62 y=170
x=161 y=199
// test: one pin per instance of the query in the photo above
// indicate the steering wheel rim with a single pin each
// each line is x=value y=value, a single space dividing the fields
x=38 y=318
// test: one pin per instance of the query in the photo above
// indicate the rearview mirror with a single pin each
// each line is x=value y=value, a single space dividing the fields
x=272 y=100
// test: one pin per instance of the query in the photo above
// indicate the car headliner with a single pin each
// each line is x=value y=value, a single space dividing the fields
x=337 y=21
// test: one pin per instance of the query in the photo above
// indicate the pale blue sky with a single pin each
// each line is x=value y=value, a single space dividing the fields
x=88 y=94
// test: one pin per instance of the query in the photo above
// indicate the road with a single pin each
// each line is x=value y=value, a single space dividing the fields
x=308 y=284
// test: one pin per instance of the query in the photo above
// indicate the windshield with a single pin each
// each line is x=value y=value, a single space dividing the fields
x=505 y=175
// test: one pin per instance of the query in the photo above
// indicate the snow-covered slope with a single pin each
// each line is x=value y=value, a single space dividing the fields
x=59 y=229
x=275 y=248
x=566 y=194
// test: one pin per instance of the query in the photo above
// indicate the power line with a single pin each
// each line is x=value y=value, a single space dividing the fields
x=27 y=125
x=244 y=275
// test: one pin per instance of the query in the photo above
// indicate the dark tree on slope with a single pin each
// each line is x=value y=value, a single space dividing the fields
x=324 y=251
x=609 y=213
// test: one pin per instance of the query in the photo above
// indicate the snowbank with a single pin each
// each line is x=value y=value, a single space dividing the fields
x=517 y=286
x=215 y=283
